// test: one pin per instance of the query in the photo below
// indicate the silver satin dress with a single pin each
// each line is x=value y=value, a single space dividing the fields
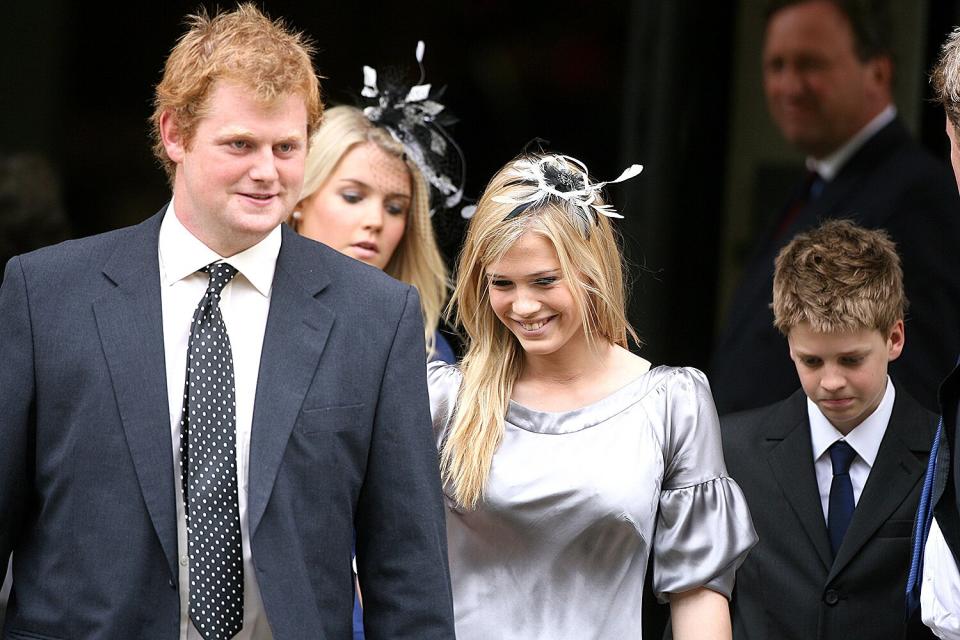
x=575 y=503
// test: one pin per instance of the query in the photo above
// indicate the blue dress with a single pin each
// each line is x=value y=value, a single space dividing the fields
x=444 y=352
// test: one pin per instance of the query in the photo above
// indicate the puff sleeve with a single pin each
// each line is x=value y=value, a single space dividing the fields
x=704 y=529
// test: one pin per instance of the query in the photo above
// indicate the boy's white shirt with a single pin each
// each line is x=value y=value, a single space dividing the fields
x=865 y=439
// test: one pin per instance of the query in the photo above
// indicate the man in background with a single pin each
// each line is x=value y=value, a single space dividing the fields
x=828 y=73
x=31 y=209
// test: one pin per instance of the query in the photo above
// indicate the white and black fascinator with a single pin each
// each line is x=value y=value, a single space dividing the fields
x=417 y=120
x=564 y=178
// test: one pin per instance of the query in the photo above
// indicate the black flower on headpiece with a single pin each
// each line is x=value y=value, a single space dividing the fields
x=565 y=178
x=562 y=179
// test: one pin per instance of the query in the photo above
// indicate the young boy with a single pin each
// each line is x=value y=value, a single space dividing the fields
x=833 y=473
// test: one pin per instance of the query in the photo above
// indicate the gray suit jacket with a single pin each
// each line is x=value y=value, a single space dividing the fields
x=789 y=587
x=341 y=441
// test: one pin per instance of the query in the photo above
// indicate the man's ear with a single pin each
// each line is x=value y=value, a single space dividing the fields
x=881 y=73
x=171 y=136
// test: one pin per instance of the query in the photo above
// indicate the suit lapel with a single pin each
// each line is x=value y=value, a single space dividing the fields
x=297 y=329
x=946 y=486
x=130 y=323
x=791 y=462
x=948 y=395
x=847 y=183
x=895 y=473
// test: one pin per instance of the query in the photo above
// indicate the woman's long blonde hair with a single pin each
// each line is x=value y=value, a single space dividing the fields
x=417 y=259
x=592 y=267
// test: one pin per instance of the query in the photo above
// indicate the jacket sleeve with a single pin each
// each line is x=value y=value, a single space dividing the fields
x=401 y=535
x=17 y=407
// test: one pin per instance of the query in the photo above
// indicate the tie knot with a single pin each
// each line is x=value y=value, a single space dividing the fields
x=841 y=455
x=220 y=274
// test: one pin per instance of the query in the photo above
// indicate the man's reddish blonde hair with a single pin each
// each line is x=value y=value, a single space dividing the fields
x=243 y=46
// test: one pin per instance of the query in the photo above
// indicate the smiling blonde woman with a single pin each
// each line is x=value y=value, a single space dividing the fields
x=567 y=461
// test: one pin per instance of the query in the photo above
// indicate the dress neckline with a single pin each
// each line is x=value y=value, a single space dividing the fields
x=561 y=422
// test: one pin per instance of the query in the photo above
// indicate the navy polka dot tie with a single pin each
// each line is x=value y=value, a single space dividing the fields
x=209 y=468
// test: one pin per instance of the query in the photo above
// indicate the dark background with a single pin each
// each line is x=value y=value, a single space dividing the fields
x=610 y=82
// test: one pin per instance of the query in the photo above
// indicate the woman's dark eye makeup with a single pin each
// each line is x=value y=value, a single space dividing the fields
x=542 y=281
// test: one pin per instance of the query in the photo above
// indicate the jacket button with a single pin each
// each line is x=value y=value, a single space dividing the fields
x=171 y=584
x=831 y=597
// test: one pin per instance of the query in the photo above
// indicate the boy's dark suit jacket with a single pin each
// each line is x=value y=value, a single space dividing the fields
x=790 y=588
x=340 y=441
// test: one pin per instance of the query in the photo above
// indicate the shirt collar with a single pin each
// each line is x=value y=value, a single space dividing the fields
x=865 y=438
x=182 y=254
x=829 y=167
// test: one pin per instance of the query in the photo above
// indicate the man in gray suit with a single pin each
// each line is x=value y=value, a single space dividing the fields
x=198 y=412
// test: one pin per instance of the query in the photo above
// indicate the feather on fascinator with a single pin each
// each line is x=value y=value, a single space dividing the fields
x=417 y=120
x=565 y=178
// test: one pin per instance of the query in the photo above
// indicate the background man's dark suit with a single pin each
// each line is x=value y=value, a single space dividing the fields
x=890 y=183
x=341 y=438
x=789 y=588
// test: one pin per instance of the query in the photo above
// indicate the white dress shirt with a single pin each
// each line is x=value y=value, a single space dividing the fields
x=865 y=439
x=829 y=167
x=244 y=304
x=940 y=588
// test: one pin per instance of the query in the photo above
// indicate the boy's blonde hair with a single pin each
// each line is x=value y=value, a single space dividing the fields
x=592 y=268
x=838 y=277
x=243 y=46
